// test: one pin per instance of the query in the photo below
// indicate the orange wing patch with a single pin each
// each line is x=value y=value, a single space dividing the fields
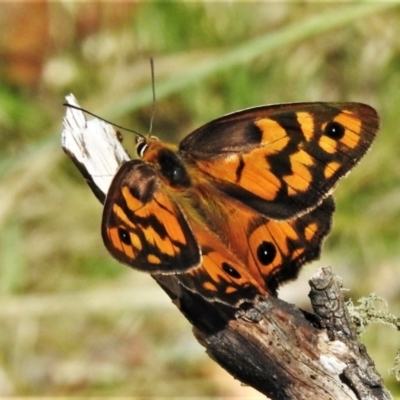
x=307 y=124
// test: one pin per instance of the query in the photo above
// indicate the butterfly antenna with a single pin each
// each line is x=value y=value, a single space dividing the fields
x=154 y=94
x=102 y=119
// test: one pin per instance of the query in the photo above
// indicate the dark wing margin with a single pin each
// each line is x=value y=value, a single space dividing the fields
x=236 y=132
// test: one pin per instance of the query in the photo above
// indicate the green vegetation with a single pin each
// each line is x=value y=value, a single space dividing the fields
x=73 y=321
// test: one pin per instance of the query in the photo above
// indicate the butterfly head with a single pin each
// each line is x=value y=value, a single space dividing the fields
x=164 y=159
x=143 y=143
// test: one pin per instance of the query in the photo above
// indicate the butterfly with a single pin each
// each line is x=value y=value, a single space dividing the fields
x=242 y=203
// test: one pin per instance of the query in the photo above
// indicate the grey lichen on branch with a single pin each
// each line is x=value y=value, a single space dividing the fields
x=329 y=305
x=280 y=350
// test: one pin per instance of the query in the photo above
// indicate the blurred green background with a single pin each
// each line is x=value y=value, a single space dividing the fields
x=72 y=320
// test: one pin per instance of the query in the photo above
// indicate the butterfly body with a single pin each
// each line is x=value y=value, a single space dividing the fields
x=242 y=203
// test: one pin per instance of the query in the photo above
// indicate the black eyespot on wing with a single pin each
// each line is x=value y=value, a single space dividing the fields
x=230 y=270
x=124 y=236
x=266 y=252
x=334 y=130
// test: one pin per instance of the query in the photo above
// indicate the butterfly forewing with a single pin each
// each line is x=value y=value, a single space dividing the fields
x=143 y=226
x=282 y=160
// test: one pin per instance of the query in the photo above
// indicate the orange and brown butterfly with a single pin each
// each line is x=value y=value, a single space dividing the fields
x=242 y=202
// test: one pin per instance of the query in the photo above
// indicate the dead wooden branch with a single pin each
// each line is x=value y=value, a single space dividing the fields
x=281 y=351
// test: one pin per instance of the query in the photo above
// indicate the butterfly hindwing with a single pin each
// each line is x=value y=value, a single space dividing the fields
x=282 y=160
x=222 y=276
x=143 y=226
x=278 y=249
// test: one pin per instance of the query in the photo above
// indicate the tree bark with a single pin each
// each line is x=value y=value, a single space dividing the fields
x=282 y=351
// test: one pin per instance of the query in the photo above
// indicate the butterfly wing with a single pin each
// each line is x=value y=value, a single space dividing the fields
x=261 y=254
x=282 y=160
x=143 y=227
x=278 y=249
x=222 y=276
x=273 y=251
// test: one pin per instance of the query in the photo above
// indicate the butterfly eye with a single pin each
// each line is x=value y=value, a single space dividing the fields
x=230 y=270
x=334 y=130
x=266 y=253
x=124 y=236
x=141 y=147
